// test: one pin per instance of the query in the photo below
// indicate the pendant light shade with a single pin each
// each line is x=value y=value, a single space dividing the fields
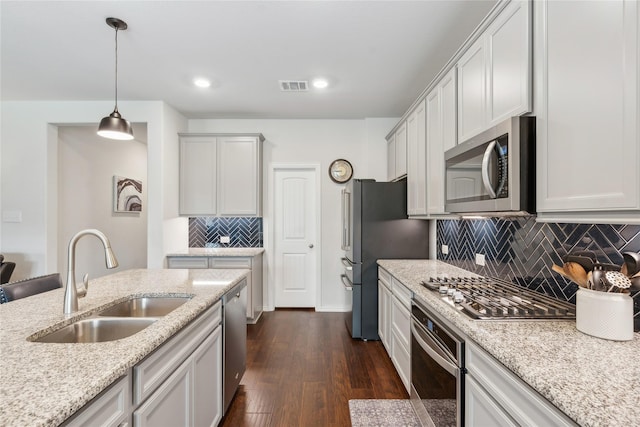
x=114 y=126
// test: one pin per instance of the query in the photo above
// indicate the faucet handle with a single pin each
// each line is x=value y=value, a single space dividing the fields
x=85 y=286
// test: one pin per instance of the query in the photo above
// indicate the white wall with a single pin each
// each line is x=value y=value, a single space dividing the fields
x=362 y=142
x=86 y=166
x=28 y=176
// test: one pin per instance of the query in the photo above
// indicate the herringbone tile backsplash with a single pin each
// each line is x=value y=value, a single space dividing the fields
x=523 y=251
x=244 y=232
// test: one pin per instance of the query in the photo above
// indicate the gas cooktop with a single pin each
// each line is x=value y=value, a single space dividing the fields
x=495 y=299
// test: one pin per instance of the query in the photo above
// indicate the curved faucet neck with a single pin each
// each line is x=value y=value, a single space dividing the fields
x=70 y=291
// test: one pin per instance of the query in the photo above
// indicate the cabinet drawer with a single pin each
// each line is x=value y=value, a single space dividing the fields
x=384 y=277
x=188 y=262
x=229 y=262
x=149 y=374
x=401 y=292
x=110 y=408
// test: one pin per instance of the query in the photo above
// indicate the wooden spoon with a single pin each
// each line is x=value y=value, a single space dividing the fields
x=576 y=273
x=561 y=272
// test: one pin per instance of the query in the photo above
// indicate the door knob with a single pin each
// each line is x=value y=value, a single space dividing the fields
x=311 y=245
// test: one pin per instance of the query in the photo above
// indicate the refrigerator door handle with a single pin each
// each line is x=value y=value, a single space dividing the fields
x=347 y=264
x=346 y=220
x=346 y=282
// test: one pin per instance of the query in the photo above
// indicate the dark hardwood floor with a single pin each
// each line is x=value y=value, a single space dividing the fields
x=302 y=369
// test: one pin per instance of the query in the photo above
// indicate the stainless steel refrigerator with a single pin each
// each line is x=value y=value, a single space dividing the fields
x=375 y=226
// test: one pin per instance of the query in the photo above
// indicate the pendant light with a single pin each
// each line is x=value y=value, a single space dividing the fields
x=115 y=126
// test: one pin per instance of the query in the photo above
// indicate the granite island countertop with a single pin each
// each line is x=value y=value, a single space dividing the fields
x=218 y=252
x=593 y=381
x=42 y=384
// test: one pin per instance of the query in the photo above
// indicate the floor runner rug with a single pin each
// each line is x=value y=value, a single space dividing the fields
x=382 y=413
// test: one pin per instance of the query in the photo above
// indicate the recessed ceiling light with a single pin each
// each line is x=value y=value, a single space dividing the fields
x=201 y=82
x=320 y=83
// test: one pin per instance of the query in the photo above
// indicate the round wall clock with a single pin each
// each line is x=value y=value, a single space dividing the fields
x=340 y=171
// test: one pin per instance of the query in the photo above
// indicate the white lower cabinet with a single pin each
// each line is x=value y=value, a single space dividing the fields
x=207 y=368
x=495 y=396
x=480 y=410
x=384 y=309
x=170 y=405
x=179 y=384
x=394 y=323
x=111 y=408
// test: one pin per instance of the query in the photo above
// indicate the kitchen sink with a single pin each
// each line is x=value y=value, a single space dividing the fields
x=97 y=330
x=145 y=307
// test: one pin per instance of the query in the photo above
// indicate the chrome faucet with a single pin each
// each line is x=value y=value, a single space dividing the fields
x=71 y=293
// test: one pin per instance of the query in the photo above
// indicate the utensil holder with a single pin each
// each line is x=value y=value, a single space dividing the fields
x=604 y=315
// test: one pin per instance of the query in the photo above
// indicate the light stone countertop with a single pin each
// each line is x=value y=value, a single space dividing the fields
x=595 y=382
x=219 y=252
x=42 y=384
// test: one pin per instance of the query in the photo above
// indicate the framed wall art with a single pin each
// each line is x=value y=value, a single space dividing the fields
x=127 y=194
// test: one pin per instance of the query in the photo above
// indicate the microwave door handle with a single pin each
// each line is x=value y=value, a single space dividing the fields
x=432 y=349
x=485 y=170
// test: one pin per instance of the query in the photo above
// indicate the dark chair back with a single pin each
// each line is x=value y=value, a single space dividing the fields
x=6 y=270
x=28 y=287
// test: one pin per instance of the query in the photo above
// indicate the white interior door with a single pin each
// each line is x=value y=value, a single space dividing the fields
x=295 y=221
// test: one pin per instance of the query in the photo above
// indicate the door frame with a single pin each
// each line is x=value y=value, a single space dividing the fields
x=269 y=228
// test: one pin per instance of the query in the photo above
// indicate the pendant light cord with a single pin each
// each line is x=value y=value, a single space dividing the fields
x=116 y=108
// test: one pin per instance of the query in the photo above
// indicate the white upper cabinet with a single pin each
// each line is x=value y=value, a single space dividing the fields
x=221 y=175
x=494 y=74
x=471 y=91
x=588 y=146
x=416 y=162
x=198 y=175
x=441 y=136
x=397 y=153
x=401 y=151
x=509 y=71
x=239 y=172
x=391 y=157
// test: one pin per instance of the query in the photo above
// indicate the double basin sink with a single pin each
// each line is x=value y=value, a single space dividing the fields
x=116 y=322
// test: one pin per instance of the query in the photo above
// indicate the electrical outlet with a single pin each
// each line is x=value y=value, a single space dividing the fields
x=480 y=260
x=445 y=250
x=225 y=239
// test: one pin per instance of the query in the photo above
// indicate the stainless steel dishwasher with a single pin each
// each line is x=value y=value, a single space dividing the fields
x=234 y=335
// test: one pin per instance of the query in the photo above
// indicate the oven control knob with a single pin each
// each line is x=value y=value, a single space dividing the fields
x=458 y=297
x=443 y=289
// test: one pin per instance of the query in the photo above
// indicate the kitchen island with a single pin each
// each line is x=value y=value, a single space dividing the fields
x=43 y=384
x=595 y=382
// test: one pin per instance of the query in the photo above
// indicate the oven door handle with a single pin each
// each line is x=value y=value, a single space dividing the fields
x=346 y=282
x=430 y=346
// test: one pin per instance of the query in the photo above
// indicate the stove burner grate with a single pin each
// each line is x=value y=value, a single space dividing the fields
x=491 y=298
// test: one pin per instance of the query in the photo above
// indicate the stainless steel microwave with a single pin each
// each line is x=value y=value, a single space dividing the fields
x=493 y=173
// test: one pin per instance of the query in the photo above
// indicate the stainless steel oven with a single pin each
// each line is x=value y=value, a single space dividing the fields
x=437 y=370
x=493 y=172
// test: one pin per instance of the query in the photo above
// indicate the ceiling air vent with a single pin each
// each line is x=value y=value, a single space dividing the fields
x=294 y=85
